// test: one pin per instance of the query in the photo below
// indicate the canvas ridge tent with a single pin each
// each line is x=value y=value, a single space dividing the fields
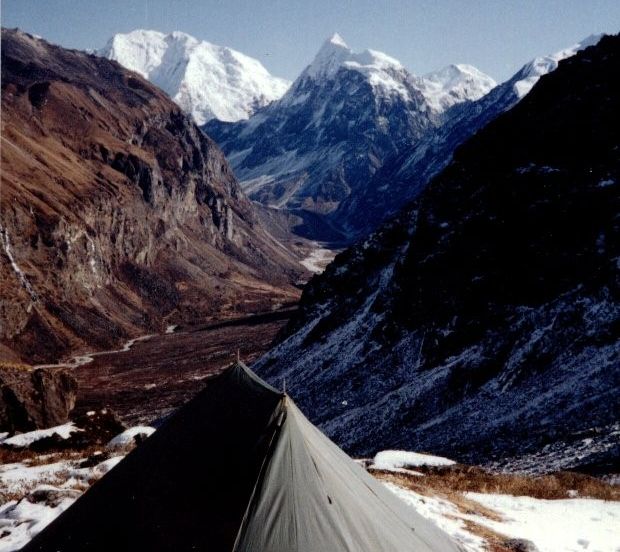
x=240 y=469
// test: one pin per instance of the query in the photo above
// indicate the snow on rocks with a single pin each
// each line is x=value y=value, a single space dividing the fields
x=21 y=520
x=131 y=436
x=442 y=89
x=34 y=494
x=391 y=460
x=23 y=440
x=454 y=84
x=530 y=74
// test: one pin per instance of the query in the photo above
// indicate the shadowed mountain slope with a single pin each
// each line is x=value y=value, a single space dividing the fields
x=484 y=320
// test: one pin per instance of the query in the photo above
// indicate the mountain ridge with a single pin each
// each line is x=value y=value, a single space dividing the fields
x=407 y=175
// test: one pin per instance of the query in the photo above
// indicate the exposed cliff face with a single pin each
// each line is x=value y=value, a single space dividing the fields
x=483 y=321
x=117 y=213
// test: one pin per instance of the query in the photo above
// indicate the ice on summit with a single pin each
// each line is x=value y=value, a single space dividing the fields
x=531 y=73
x=455 y=84
x=442 y=89
x=205 y=80
x=329 y=58
x=336 y=54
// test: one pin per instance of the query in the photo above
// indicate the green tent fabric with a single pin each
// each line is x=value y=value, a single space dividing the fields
x=240 y=469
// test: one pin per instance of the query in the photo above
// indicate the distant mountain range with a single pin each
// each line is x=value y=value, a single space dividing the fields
x=347 y=113
x=118 y=215
x=483 y=320
x=357 y=136
x=205 y=80
x=350 y=142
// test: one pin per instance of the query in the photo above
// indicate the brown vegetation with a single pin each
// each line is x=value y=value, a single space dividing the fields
x=461 y=479
x=8 y=365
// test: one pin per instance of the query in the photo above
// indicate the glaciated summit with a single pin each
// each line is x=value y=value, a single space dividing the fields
x=329 y=58
x=455 y=84
x=530 y=73
x=205 y=80
x=335 y=55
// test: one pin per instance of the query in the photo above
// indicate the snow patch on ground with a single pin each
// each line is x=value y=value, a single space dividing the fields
x=318 y=260
x=570 y=525
x=397 y=459
x=128 y=437
x=26 y=439
x=34 y=495
x=442 y=513
x=21 y=520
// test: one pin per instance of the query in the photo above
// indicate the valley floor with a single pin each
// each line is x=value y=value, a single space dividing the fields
x=153 y=375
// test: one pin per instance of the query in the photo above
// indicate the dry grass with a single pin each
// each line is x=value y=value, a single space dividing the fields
x=10 y=365
x=463 y=479
x=496 y=542
x=34 y=458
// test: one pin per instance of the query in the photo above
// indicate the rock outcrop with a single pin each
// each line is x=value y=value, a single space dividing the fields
x=34 y=398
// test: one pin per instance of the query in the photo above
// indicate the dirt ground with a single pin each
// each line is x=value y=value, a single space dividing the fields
x=162 y=372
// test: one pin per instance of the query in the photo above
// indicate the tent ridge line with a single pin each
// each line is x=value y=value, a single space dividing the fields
x=281 y=415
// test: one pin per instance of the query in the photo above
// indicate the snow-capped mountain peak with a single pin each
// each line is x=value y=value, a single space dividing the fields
x=454 y=84
x=337 y=40
x=329 y=58
x=336 y=54
x=442 y=89
x=206 y=80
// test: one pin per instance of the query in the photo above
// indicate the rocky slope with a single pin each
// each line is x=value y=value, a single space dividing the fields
x=483 y=321
x=316 y=148
x=204 y=79
x=118 y=214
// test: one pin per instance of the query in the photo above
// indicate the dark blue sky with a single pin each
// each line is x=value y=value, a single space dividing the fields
x=497 y=36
